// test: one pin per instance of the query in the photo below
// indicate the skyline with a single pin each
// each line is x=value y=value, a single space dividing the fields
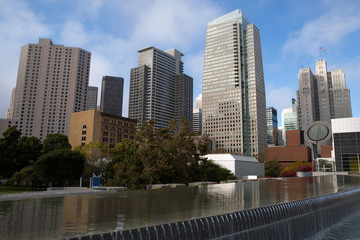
x=291 y=36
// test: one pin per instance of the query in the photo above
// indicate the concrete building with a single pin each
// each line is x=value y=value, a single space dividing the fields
x=240 y=166
x=112 y=89
x=92 y=98
x=322 y=96
x=96 y=126
x=159 y=89
x=51 y=84
x=272 y=126
x=289 y=120
x=346 y=143
x=234 y=107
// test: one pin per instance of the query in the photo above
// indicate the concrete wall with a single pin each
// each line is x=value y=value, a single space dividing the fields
x=249 y=168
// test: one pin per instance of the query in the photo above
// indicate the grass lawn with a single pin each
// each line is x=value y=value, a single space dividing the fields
x=6 y=189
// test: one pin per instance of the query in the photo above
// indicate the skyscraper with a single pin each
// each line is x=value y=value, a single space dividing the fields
x=197 y=116
x=289 y=119
x=112 y=95
x=272 y=126
x=322 y=96
x=234 y=107
x=51 y=84
x=92 y=98
x=159 y=89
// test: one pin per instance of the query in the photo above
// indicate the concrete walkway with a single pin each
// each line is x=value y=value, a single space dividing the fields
x=54 y=193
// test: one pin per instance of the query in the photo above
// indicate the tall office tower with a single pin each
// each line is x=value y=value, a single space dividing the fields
x=112 y=89
x=322 y=96
x=289 y=119
x=52 y=83
x=92 y=98
x=272 y=126
x=10 y=112
x=158 y=88
x=234 y=107
x=183 y=97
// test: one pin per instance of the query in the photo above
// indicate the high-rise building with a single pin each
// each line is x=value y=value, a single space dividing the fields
x=272 y=126
x=51 y=84
x=159 y=89
x=112 y=95
x=234 y=107
x=322 y=96
x=289 y=119
x=92 y=98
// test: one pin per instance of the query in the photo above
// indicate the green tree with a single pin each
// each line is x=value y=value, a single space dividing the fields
x=272 y=168
x=25 y=176
x=8 y=149
x=28 y=151
x=60 y=167
x=55 y=141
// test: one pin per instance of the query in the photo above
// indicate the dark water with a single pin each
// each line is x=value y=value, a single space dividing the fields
x=63 y=217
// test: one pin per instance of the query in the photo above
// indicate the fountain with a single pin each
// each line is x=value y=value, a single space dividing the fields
x=293 y=208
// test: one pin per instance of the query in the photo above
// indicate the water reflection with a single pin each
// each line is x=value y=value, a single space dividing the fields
x=55 y=218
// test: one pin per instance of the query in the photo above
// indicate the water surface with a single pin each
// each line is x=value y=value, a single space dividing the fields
x=63 y=217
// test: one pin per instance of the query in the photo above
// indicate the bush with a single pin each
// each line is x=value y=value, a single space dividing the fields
x=287 y=173
x=304 y=169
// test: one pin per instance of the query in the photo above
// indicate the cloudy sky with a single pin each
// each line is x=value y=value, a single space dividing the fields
x=113 y=30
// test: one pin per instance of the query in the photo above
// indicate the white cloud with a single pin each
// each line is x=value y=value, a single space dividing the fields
x=18 y=27
x=279 y=98
x=327 y=30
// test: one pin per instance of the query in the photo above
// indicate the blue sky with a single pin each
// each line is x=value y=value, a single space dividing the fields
x=113 y=31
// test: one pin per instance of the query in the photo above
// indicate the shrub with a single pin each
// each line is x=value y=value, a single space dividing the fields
x=304 y=169
x=287 y=173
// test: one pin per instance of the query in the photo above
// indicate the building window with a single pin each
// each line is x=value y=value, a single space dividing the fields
x=84 y=126
x=83 y=132
x=83 y=138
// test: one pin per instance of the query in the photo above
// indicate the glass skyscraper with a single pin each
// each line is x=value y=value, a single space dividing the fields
x=234 y=107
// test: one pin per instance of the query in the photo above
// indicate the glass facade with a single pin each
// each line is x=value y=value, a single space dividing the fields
x=347 y=151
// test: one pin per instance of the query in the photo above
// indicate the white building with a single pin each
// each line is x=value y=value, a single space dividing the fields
x=240 y=166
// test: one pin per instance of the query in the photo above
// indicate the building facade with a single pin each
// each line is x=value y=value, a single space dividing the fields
x=322 y=96
x=346 y=144
x=112 y=89
x=51 y=84
x=289 y=119
x=234 y=107
x=197 y=121
x=272 y=126
x=92 y=98
x=159 y=89
x=96 y=126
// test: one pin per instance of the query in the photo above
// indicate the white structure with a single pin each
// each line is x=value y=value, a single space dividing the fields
x=240 y=166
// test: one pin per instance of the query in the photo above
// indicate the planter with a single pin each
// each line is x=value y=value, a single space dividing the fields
x=304 y=174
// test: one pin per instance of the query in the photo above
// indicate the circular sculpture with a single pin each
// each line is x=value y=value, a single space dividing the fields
x=318 y=132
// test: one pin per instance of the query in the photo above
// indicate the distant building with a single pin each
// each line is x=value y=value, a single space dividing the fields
x=159 y=89
x=92 y=98
x=9 y=114
x=322 y=96
x=233 y=97
x=112 y=95
x=346 y=143
x=51 y=84
x=289 y=119
x=272 y=126
x=197 y=120
x=96 y=126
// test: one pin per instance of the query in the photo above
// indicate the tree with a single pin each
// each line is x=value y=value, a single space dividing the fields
x=8 y=149
x=272 y=168
x=55 y=141
x=60 y=167
x=28 y=151
x=25 y=176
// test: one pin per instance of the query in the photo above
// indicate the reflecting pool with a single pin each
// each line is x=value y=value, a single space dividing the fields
x=64 y=217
